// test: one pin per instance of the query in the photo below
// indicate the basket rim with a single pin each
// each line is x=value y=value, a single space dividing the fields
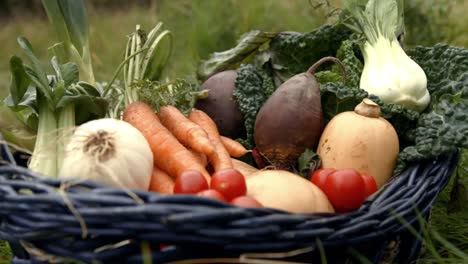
x=111 y=214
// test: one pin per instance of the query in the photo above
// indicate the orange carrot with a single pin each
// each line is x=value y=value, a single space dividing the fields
x=169 y=154
x=200 y=157
x=161 y=182
x=234 y=148
x=187 y=132
x=221 y=159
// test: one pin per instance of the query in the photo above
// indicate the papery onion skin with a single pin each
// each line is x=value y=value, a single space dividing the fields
x=111 y=152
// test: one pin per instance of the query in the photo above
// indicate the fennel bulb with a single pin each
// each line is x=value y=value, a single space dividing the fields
x=388 y=72
x=393 y=76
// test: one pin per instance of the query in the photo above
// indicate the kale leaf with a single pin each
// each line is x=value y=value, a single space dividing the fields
x=337 y=98
x=439 y=132
x=253 y=87
x=247 y=47
x=349 y=54
x=443 y=127
x=444 y=66
x=404 y=120
x=292 y=52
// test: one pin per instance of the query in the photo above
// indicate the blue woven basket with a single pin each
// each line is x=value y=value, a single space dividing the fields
x=41 y=227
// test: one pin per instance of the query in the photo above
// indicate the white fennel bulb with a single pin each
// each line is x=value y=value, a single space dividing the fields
x=108 y=151
x=389 y=72
x=393 y=76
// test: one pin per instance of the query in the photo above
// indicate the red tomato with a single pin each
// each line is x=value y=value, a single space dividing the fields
x=190 y=182
x=319 y=176
x=162 y=246
x=345 y=189
x=246 y=201
x=213 y=194
x=229 y=182
x=371 y=185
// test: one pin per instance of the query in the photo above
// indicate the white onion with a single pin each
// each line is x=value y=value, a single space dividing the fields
x=111 y=152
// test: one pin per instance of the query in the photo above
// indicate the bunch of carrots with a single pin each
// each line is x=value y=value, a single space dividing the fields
x=180 y=143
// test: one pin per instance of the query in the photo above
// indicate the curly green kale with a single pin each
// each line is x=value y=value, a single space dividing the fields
x=444 y=66
x=440 y=131
x=337 y=98
x=292 y=52
x=402 y=119
x=443 y=127
x=348 y=54
x=253 y=87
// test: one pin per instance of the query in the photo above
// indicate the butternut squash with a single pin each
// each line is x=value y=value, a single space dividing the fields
x=362 y=140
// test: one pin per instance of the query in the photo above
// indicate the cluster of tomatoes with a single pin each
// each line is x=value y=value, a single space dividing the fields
x=346 y=189
x=227 y=185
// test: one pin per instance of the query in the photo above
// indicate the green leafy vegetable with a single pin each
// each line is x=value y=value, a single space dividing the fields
x=179 y=93
x=253 y=87
x=440 y=131
x=19 y=82
x=337 y=98
x=15 y=131
x=443 y=127
x=291 y=53
x=348 y=55
x=307 y=162
x=146 y=56
x=403 y=119
x=445 y=66
x=69 y=20
x=249 y=44
x=48 y=103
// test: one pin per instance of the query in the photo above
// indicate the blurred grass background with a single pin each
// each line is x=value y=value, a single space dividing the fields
x=201 y=27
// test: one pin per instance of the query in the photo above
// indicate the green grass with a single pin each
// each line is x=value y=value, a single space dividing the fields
x=201 y=27
x=198 y=30
x=5 y=252
x=451 y=225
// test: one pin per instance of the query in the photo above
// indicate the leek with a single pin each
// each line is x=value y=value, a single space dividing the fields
x=55 y=104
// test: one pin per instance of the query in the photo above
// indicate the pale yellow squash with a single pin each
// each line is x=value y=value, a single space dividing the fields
x=283 y=190
x=362 y=140
x=245 y=169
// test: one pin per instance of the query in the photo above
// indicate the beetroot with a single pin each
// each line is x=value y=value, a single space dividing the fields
x=221 y=106
x=291 y=120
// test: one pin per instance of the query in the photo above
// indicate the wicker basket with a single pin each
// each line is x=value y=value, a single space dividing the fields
x=89 y=222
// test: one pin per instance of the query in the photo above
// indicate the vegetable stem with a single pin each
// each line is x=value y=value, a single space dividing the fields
x=138 y=57
x=130 y=73
x=123 y=65
x=66 y=121
x=317 y=64
x=142 y=61
x=44 y=157
x=368 y=108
